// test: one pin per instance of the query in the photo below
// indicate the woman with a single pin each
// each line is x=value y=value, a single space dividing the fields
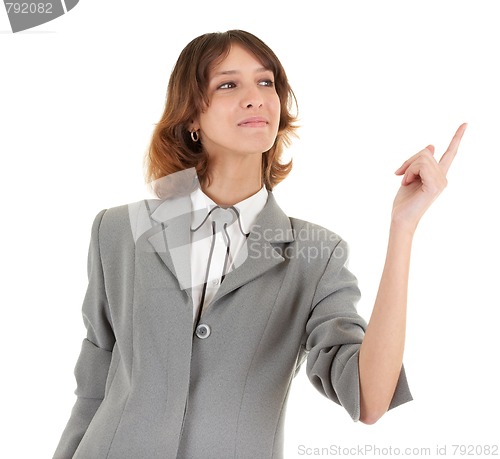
x=203 y=304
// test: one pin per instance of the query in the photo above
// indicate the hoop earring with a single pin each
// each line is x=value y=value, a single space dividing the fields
x=195 y=136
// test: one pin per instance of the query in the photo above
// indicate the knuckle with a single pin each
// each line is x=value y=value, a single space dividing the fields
x=423 y=159
x=425 y=154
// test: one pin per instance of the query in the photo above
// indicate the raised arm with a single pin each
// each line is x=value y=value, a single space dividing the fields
x=381 y=353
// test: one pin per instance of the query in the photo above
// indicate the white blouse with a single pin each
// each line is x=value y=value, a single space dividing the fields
x=217 y=235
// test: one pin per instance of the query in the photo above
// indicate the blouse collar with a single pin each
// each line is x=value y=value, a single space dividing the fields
x=248 y=209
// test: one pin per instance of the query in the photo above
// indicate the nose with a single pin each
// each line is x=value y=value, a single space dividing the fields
x=252 y=98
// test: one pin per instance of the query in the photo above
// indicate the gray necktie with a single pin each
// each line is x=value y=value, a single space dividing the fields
x=221 y=218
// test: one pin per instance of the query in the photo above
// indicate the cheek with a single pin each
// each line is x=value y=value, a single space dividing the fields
x=212 y=118
x=276 y=108
x=220 y=112
x=276 y=111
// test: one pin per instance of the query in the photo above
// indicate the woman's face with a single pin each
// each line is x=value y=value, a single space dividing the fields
x=244 y=109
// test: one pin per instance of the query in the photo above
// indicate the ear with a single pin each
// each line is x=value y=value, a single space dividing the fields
x=194 y=125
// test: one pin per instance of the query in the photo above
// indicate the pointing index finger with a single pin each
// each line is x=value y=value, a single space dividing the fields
x=450 y=153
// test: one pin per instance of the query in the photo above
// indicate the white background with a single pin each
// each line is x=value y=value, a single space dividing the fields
x=376 y=82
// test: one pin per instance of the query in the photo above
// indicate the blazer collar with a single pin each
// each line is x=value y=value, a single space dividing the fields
x=171 y=240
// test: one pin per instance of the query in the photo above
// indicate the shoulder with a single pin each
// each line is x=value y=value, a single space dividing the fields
x=319 y=253
x=125 y=221
x=312 y=234
x=312 y=247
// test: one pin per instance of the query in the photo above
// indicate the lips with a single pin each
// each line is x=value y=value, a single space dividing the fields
x=253 y=121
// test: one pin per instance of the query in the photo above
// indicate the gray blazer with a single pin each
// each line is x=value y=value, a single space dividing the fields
x=148 y=388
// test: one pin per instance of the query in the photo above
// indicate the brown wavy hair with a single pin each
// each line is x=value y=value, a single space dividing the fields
x=172 y=149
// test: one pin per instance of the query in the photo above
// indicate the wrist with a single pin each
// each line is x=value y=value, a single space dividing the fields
x=403 y=228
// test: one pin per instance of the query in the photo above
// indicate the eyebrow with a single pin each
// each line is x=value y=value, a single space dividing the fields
x=234 y=72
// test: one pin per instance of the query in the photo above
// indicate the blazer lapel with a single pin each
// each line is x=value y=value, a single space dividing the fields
x=173 y=237
x=172 y=240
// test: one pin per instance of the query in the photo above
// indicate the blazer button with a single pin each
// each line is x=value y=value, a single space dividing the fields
x=202 y=331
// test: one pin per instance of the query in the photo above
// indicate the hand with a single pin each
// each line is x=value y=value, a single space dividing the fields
x=424 y=179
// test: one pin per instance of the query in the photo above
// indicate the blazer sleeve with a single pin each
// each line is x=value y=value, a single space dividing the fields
x=93 y=363
x=334 y=334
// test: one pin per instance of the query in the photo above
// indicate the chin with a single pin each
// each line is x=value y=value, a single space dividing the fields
x=261 y=146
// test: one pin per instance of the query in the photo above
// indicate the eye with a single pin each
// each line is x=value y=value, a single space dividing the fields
x=227 y=85
x=269 y=83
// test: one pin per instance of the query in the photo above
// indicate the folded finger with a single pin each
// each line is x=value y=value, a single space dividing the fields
x=402 y=169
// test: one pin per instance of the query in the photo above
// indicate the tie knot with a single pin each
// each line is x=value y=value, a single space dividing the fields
x=223 y=216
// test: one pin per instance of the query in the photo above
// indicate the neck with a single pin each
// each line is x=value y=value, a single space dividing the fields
x=232 y=182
